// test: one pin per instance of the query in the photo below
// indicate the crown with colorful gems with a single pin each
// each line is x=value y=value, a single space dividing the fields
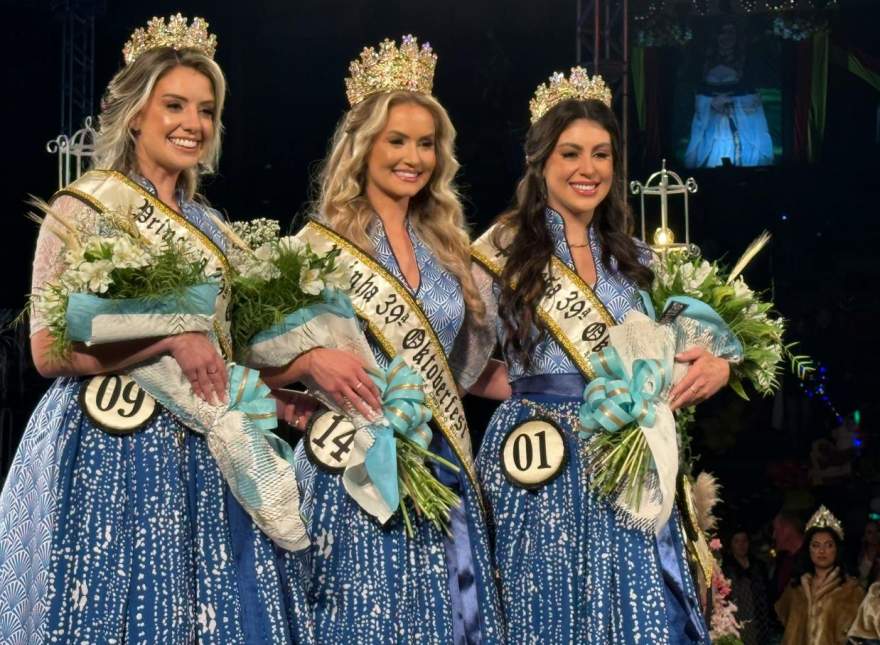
x=579 y=85
x=823 y=519
x=409 y=68
x=175 y=34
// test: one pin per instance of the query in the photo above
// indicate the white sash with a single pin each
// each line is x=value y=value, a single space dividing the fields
x=569 y=309
x=399 y=325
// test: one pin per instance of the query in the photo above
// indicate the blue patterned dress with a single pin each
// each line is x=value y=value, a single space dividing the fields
x=571 y=571
x=373 y=584
x=136 y=538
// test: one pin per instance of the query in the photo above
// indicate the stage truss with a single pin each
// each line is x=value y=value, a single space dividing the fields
x=603 y=48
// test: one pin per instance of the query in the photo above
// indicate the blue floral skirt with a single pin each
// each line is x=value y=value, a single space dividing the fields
x=571 y=571
x=369 y=583
x=134 y=539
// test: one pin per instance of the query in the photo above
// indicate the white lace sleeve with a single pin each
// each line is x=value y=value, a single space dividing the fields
x=49 y=255
x=475 y=342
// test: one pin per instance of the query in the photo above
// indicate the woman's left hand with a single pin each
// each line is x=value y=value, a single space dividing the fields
x=295 y=408
x=706 y=375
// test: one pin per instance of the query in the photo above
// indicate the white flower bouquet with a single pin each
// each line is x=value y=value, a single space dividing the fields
x=115 y=275
x=746 y=314
x=275 y=277
x=634 y=460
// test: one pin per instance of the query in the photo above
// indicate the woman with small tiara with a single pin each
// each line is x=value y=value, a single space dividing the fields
x=822 y=601
x=378 y=572
x=560 y=268
x=121 y=531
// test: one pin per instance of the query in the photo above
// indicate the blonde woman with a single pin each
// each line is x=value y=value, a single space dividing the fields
x=110 y=536
x=388 y=202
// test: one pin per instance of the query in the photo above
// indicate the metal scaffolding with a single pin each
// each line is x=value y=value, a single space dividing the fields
x=603 y=48
x=77 y=59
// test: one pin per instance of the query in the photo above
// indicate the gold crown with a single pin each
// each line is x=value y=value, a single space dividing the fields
x=175 y=34
x=579 y=85
x=823 y=519
x=408 y=68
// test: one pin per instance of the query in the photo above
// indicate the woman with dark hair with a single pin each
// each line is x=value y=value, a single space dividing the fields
x=820 y=605
x=748 y=585
x=560 y=267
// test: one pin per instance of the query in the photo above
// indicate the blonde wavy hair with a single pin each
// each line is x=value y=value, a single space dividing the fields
x=435 y=212
x=128 y=93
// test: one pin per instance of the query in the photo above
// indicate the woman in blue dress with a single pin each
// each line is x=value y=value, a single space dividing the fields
x=134 y=537
x=387 y=195
x=571 y=568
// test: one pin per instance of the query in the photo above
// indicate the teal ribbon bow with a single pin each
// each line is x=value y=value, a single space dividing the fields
x=612 y=402
x=250 y=396
x=403 y=407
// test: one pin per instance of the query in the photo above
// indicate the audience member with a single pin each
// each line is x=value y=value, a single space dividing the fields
x=819 y=606
x=748 y=584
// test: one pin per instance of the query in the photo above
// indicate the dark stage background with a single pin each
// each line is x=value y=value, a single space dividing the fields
x=285 y=63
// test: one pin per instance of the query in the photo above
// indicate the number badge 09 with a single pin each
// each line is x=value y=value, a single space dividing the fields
x=116 y=404
x=329 y=439
x=533 y=453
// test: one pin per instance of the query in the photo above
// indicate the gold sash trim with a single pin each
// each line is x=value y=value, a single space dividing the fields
x=109 y=190
x=696 y=544
x=569 y=310
x=398 y=324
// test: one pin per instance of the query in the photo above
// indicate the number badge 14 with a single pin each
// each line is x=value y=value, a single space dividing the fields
x=329 y=439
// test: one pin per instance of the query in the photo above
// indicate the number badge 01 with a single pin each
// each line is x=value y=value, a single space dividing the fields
x=116 y=404
x=533 y=453
x=328 y=441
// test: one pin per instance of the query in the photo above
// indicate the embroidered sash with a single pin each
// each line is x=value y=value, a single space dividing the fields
x=569 y=310
x=108 y=190
x=401 y=328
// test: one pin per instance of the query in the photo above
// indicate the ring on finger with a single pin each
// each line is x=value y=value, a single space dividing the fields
x=358 y=386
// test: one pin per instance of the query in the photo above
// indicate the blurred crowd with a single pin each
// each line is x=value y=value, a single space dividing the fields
x=805 y=583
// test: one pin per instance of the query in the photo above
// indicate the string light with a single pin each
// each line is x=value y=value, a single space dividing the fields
x=701 y=7
x=814 y=386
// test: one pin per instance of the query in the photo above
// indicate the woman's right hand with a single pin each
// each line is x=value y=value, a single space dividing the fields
x=202 y=365
x=341 y=375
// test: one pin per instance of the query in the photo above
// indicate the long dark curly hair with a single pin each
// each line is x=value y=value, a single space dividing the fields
x=523 y=229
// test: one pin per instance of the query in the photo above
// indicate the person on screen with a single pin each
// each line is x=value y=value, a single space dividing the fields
x=729 y=120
